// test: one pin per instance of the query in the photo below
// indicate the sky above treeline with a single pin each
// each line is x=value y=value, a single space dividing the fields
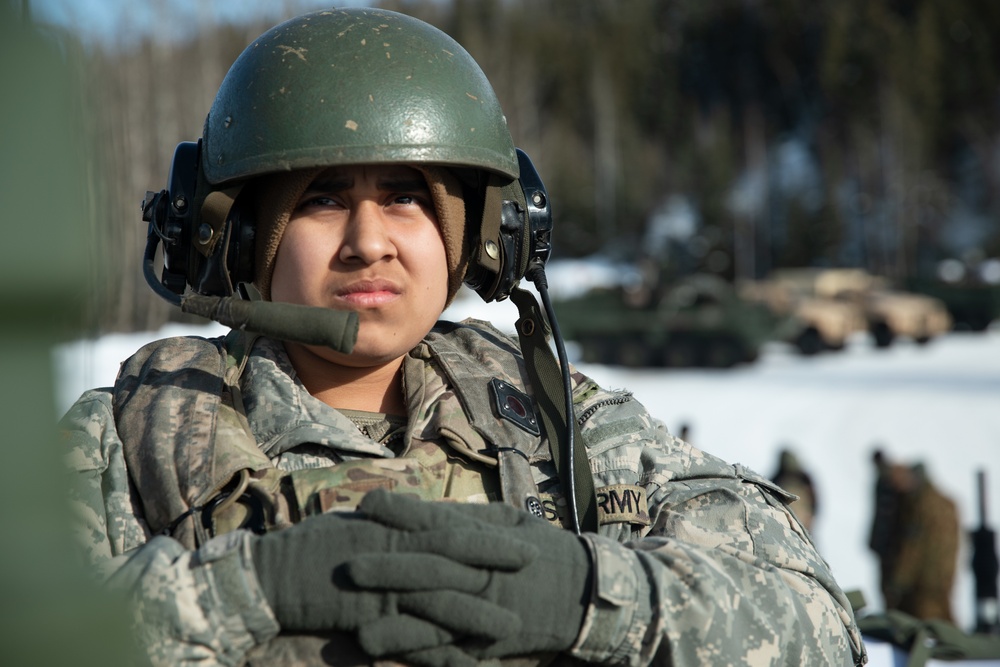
x=116 y=22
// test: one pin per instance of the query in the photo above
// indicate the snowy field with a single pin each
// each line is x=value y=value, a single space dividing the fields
x=939 y=404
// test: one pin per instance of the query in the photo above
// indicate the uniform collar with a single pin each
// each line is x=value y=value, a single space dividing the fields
x=283 y=414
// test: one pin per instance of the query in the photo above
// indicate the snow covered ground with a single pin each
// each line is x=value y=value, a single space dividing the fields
x=939 y=404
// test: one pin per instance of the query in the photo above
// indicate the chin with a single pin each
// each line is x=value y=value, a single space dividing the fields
x=366 y=360
x=368 y=355
x=382 y=342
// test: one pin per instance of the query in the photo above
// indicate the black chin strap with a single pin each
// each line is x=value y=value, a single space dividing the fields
x=549 y=382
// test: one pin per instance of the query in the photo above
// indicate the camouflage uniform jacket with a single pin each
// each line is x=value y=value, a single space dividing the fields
x=697 y=562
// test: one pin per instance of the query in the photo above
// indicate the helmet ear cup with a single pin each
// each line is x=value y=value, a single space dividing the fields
x=240 y=253
x=516 y=230
x=231 y=261
x=195 y=255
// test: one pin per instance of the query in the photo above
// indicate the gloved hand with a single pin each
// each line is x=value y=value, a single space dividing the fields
x=301 y=572
x=549 y=595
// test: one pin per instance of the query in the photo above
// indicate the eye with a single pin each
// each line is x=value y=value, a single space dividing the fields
x=412 y=199
x=317 y=201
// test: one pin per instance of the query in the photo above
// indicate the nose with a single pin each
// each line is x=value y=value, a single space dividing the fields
x=366 y=237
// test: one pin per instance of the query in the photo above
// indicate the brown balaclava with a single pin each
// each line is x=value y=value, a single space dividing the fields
x=275 y=195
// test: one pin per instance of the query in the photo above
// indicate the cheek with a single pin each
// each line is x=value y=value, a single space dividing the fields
x=295 y=261
x=435 y=267
x=284 y=285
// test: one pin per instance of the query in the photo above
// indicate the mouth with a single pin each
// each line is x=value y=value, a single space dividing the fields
x=368 y=293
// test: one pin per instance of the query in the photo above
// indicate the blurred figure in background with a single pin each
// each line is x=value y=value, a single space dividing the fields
x=685 y=432
x=792 y=477
x=915 y=533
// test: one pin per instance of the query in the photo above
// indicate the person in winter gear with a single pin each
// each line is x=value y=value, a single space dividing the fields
x=274 y=501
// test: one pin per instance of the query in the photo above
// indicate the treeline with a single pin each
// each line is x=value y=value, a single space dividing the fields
x=749 y=135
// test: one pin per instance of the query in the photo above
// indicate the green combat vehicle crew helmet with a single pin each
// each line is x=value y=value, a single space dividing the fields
x=341 y=87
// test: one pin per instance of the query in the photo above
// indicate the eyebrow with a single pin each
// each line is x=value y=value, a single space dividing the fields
x=404 y=183
x=389 y=183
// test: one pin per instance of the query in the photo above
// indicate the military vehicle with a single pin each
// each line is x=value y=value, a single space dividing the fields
x=825 y=323
x=972 y=305
x=889 y=313
x=837 y=302
x=697 y=321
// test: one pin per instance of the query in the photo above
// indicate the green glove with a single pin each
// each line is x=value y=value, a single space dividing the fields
x=301 y=572
x=550 y=595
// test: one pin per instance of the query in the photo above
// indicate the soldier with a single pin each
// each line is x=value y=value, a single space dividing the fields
x=685 y=432
x=268 y=501
x=792 y=477
x=915 y=534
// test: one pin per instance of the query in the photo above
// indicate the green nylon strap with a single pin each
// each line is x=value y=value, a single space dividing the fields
x=920 y=649
x=546 y=379
x=490 y=227
x=214 y=211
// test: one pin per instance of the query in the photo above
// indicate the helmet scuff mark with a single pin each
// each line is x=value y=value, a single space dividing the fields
x=346 y=30
x=300 y=52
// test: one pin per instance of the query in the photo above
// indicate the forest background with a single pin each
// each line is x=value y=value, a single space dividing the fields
x=734 y=136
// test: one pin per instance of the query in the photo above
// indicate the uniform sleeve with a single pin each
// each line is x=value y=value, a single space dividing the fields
x=107 y=518
x=724 y=574
x=202 y=606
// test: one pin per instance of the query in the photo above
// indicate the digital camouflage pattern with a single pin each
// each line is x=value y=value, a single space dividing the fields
x=697 y=561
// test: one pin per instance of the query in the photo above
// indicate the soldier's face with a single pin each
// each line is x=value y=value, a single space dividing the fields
x=366 y=239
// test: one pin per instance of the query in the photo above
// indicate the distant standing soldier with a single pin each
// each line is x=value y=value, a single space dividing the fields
x=915 y=533
x=792 y=477
x=685 y=433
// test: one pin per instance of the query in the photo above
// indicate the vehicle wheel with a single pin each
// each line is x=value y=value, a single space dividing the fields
x=722 y=353
x=883 y=334
x=809 y=342
x=680 y=352
x=633 y=353
x=590 y=350
x=979 y=322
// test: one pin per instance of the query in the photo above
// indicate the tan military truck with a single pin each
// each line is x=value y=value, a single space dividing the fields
x=889 y=313
x=834 y=303
x=824 y=323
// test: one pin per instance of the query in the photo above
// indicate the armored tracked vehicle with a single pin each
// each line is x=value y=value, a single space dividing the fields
x=972 y=305
x=697 y=321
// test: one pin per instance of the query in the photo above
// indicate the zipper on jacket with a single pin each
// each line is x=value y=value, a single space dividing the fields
x=589 y=412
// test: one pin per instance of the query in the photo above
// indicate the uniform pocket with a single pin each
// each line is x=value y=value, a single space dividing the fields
x=341 y=487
